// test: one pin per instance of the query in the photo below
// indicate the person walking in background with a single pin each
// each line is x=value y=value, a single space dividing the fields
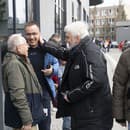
x=49 y=61
x=55 y=38
x=42 y=68
x=106 y=45
x=23 y=101
x=121 y=90
x=85 y=92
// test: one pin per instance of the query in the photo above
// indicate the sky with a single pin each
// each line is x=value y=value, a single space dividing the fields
x=114 y=2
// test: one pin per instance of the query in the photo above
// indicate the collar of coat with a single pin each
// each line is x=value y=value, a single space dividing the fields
x=19 y=57
x=84 y=42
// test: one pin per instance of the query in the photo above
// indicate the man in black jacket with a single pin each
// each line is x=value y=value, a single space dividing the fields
x=85 y=92
x=37 y=56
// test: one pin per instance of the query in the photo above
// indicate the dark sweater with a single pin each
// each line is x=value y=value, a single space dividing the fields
x=36 y=56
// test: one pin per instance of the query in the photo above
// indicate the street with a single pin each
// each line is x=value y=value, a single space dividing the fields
x=112 y=59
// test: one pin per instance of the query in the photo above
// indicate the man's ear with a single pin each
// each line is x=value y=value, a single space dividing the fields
x=78 y=39
x=17 y=49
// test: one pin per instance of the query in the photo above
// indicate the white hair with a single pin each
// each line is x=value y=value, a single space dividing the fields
x=77 y=28
x=15 y=40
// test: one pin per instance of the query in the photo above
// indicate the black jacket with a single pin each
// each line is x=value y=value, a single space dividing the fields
x=86 y=83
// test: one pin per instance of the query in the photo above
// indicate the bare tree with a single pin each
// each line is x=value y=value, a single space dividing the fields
x=121 y=15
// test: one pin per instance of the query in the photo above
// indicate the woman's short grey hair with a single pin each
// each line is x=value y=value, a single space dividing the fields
x=15 y=40
x=77 y=28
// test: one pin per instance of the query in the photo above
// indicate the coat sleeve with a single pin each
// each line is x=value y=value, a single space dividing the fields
x=16 y=87
x=55 y=65
x=120 y=79
x=56 y=50
x=96 y=77
x=51 y=60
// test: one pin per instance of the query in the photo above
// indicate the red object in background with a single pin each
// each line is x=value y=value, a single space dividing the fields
x=121 y=45
x=55 y=79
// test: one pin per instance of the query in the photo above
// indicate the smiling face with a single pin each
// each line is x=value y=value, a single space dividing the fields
x=32 y=35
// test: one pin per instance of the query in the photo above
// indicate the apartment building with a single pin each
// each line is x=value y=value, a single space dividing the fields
x=103 y=21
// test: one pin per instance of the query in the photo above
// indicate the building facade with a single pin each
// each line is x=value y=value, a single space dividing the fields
x=123 y=31
x=51 y=15
x=103 y=21
x=62 y=13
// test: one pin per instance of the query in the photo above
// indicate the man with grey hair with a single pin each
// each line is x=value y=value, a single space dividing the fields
x=85 y=92
x=23 y=107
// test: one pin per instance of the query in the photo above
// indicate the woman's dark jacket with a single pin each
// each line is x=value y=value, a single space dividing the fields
x=22 y=92
x=86 y=83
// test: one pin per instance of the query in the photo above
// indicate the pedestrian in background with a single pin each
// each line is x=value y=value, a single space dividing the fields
x=42 y=70
x=85 y=92
x=57 y=39
x=121 y=90
x=23 y=102
x=49 y=61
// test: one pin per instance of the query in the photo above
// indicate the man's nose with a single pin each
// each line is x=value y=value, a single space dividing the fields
x=31 y=36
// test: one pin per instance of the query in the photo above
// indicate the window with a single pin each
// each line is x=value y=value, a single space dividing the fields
x=73 y=12
x=20 y=11
x=59 y=16
x=79 y=11
x=10 y=9
x=84 y=15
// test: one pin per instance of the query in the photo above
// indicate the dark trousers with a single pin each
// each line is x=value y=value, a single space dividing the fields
x=66 y=123
x=45 y=124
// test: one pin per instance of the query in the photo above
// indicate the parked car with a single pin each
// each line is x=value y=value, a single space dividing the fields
x=114 y=44
x=126 y=45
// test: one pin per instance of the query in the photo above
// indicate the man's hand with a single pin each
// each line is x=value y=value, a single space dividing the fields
x=27 y=127
x=48 y=71
x=65 y=97
x=41 y=40
x=123 y=124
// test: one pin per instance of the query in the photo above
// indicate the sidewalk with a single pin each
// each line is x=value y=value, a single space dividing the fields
x=112 y=58
x=56 y=124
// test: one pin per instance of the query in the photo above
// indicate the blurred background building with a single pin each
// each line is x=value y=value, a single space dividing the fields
x=103 y=20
